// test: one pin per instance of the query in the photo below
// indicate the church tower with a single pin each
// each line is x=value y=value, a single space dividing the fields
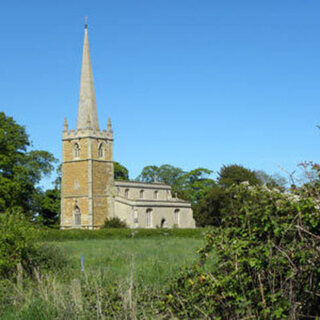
x=87 y=196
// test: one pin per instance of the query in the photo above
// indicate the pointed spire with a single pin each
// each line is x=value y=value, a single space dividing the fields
x=87 y=100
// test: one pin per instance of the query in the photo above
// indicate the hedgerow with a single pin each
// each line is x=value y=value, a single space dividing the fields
x=268 y=253
x=116 y=233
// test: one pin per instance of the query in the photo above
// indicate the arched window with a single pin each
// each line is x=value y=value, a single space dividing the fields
x=163 y=221
x=77 y=216
x=149 y=218
x=176 y=216
x=141 y=194
x=155 y=195
x=126 y=193
x=101 y=150
x=76 y=150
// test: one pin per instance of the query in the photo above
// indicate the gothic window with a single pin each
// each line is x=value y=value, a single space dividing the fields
x=76 y=150
x=126 y=193
x=149 y=218
x=155 y=195
x=77 y=216
x=141 y=194
x=176 y=217
x=101 y=150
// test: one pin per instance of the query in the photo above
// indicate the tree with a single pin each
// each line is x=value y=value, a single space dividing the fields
x=235 y=174
x=49 y=210
x=195 y=184
x=20 y=169
x=120 y=172
x=208 y=211
x=271 y=181
x=166 y=174
x=189 y=186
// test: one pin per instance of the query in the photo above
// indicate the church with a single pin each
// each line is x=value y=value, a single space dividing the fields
x=89 y=193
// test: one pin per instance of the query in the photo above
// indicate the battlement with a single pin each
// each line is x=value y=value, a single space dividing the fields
x=87 y=133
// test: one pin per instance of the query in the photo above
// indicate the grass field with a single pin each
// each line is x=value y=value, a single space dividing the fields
x=122 y=279
x=149 y=261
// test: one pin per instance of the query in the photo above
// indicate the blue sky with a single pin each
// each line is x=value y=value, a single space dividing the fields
x=189 y=83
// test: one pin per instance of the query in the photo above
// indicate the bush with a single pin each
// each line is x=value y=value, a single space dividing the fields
x=16 y=238
x=18 y=247
x=268 y=261
x=115 y=222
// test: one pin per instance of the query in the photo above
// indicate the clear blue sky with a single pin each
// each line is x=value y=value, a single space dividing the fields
x=189 y=83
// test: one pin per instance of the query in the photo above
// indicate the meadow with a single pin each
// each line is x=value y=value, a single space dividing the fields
x=119 y=279
x=149 y=261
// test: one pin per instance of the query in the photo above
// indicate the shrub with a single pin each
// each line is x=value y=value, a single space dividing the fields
x=19 y=248
x=16 y=237
x=115 y=222
x=268 y=256
x=110 y=233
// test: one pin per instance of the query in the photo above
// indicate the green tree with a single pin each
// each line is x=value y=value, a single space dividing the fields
x=20 y=169
x=271 y=181
x=235 y=174
x=208 y=211
x=195 y=184
x=190 y=186
x=166 y=173
x=120 y=172
x=49 y=211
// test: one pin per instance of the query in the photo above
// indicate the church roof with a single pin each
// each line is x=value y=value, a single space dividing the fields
x=87 y=111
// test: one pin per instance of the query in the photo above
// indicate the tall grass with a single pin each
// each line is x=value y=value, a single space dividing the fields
x=122 y=279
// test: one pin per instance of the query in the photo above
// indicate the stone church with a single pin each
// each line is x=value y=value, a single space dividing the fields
x=89 y=193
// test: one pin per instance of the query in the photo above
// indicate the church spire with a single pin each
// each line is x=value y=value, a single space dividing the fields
x=87 y=100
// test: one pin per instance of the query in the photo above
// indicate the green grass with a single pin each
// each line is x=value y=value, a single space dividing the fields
x=150 y=261
x=124 y=278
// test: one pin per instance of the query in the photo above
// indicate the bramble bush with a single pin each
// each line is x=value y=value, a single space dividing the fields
x=268 y=253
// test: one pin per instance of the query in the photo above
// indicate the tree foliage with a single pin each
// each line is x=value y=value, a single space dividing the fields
x=49 y=207
x=271 y=181
x=189 y=186
x=235 y=174
x=120 y=172
x=20 y=169
x=267 y=261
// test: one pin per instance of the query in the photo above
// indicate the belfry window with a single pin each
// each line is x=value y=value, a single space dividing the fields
x=155 y=195
x=101 y=150
x=141 y=194
x=126 y=193
x=76 y=150
x=77 y=216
